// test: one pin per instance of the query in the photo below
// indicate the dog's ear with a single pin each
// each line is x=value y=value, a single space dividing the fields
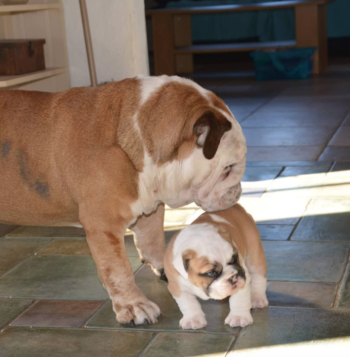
x=225 y=233
x=209 y=129
x=187 y=256
x=182 y=261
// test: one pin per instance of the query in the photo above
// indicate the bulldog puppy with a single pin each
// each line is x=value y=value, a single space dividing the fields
x=102 y=157
x=219 y=255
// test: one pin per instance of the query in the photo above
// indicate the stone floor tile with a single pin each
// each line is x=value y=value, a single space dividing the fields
x=34 y=342
x=274 y=210
x=79 y=246
x=347 y=120
x=240 y=115
x=256 y=180
x=13 y=251
x=341 y=137
x=324 y=90
x=279 y=325
x=296 y=294
x=54 y=277
x=325 y=347
x=275 y=231
x=306 y=261
x=306 y=171
x=337 y=153
x=294 y=136
x=190 y=344
x=10 y=308
x=325 y=220
x=299 y=182
x=344 y=300
x=145 y=272
x=48 y=232
x=340 y=169
x=70 y=246
x=244 y=103
x=332 y=106
x=292 y=119
x=58 y=313
x=284 y=153
x=6 y=229
x=156 y=290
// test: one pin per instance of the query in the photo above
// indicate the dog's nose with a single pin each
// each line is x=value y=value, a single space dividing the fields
x=233 y=279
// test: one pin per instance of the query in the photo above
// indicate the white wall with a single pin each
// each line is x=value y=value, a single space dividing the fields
x=119 y=41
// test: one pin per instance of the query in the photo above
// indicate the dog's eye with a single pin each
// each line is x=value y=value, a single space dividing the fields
x=211 y=274
x=233 y=260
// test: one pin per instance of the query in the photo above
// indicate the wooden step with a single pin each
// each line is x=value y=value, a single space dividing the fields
x=234 y=47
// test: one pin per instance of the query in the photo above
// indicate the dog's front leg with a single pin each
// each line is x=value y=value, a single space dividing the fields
x=105 y=236
x=240 y=305
x=193 y=315
x=149 y=239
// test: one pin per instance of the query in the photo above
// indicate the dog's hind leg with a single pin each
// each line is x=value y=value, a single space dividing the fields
x=149 y=240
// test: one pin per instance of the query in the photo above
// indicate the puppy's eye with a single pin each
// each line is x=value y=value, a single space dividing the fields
x=211 y=274
x=233 y=260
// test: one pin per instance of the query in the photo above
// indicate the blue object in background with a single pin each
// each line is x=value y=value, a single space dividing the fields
x=294 y=63
x=267 y=25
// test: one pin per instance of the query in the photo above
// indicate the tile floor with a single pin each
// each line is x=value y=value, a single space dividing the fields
x=296 y=186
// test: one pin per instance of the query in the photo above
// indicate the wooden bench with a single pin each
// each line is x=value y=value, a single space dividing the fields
x=172 y=34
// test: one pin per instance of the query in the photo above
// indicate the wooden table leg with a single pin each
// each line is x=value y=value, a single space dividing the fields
x=311 y=31
x=163 y=44
x=183 y=37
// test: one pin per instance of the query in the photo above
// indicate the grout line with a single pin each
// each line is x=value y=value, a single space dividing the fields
x=337 y=294
x=235 y=340
x=331 y=167
x=19 y=315
x=299 y=220
x=260 y=106
x=267 y=189
x=148 y=344
x=25 y=259
x=334 y=134
x=83 y=326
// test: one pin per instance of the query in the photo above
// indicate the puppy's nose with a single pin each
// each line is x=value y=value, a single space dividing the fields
x=237 y=281
x=233 y=279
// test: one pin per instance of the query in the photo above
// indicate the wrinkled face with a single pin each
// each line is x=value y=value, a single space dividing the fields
x=203 y=257
x=218 y=182
x=194 y=144
x=216 y=280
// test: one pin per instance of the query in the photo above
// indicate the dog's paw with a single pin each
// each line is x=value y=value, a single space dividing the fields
x=193 y=322
x=237 y=320
x=138 y=313
x=259 y=301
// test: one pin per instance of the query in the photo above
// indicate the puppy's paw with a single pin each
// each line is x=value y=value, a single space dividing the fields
x=138 y=313
x=238 y=320
x=193 y=322
x=259 y=301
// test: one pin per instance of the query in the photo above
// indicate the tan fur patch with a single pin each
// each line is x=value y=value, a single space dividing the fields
x=196 y=267
x=176 y=106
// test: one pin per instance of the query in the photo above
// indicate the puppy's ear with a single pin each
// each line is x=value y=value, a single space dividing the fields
x=209 y=129
x=187 y=255
x=182 y=262
x=225 y=234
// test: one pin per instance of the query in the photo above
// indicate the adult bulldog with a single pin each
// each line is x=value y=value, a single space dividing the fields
x=102 y=157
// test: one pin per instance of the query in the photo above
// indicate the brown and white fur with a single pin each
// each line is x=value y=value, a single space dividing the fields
x=219 y=255
x=102 y=157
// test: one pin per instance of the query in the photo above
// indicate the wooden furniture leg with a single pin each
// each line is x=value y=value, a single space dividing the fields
x=163 y=43
x=183 y=37
x=311 y=31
